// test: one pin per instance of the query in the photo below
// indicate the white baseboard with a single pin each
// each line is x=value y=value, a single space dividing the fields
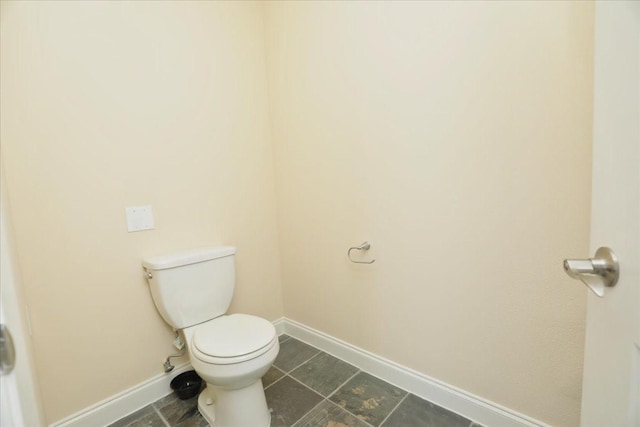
x=473 y=407
x=127 y=402
x=122 y=404
x=280 y=325
x=459 y=401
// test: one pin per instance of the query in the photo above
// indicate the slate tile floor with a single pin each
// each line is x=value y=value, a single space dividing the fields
x=310 y=388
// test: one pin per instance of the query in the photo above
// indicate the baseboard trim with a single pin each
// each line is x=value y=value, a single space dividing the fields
x=459 y=401
x=122 y=404
x=280 y=325
x=137 y=397
x=473 y=407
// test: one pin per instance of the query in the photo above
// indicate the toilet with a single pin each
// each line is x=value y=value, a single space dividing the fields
x=192 y=291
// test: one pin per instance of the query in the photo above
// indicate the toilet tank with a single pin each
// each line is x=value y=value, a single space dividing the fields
x=192 y=287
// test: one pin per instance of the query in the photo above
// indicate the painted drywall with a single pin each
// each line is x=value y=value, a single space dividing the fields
x=456 y=138
x=113 y=104
x=19 y=391
x=453 y=136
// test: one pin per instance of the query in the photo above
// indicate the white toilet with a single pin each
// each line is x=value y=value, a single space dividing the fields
x=192 y=291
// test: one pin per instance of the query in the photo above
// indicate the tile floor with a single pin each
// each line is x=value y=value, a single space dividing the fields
x=307 y=387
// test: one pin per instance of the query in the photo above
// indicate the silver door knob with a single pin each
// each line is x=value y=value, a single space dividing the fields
x=597 y=273
x=7 y=351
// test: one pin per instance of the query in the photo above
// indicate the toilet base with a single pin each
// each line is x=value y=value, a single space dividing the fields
x=246 y=406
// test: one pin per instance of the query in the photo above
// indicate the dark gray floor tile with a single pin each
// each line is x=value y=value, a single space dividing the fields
x=272 y=375
x=476 y=425
x=146 y=416
x=289 y=400
x=164 y=401
x=324 y=373
x=151 y=420
x=178 y=412
x=293 y=353
x=329 y=414
x=282 y=338
x=195 y=420
x=368 y=397
x=417 y=412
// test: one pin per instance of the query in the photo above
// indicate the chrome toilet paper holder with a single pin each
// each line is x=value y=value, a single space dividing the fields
x=363 y=247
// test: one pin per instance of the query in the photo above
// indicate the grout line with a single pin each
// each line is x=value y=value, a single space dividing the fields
x=287 y=374
x=395 y=407
x=342 y=385
x=361 y=370
x=308 y=360
x=284 y=374
x=284 y=340
x=297 y=366
x=355 y=415
x=166 y=423
x=308 y=412
x=472 y=422
x=332 y=393
x=300 y=382
x=306 y=386
x=316 y=392
x=350 y=413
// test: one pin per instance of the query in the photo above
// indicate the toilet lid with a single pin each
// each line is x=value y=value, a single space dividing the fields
x=234 y=335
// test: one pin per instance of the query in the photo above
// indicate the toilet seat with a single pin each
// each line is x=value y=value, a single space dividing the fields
x=232 y=339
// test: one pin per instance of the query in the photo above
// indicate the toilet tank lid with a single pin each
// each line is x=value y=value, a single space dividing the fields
x=187 y=257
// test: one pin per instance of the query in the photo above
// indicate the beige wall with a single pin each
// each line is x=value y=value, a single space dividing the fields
x=113 y=104
x=455 y=137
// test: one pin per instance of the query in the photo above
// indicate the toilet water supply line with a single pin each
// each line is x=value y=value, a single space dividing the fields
x=179 y=344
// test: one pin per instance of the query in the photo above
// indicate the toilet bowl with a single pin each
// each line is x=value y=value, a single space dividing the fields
x=230 y=352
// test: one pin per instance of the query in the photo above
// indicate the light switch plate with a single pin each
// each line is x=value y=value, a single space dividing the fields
x=139 y=218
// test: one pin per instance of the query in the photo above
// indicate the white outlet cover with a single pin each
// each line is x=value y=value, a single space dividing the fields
x=139 y=218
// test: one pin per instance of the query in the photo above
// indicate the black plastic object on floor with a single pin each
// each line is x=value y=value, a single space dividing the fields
x=186 y=385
